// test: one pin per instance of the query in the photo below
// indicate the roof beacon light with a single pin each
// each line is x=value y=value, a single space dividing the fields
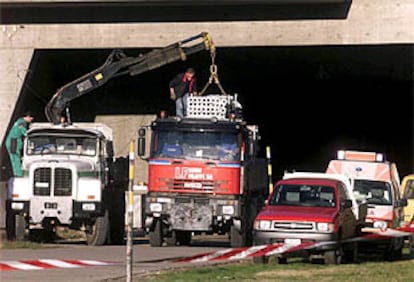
x=379 y=157
x=341 y=155
x=360 y=156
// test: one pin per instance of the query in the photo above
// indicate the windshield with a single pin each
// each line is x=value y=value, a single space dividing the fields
x=303 y=195
x=42 y=145
x=196 y=145
x=374 y=192
x=409 y=190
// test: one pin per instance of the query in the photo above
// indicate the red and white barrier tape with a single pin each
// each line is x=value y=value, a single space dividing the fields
x=280 y=248
x=48 y=264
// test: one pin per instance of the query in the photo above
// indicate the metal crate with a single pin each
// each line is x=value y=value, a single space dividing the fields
x=208 y=106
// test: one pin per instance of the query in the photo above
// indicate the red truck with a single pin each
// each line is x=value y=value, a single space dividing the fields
x=204 y=175
x=309 y=208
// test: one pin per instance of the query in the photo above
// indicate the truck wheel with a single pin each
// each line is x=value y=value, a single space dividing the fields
x=237 y=239
x=393 y=255
x=183 y=237
x=281 y=260
x=411 y=246
x=261 y=260
x=99 y=232
x=155 y=236
x=394 y=250
x=351 y=253
x=172 y=240
x=20 y=228
x=333 y=257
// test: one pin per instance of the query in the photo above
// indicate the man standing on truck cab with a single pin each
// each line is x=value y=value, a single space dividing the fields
x=181 y=86
x=14 y=142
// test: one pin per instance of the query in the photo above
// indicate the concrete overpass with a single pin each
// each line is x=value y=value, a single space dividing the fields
x=29 y=26
x=366 y=22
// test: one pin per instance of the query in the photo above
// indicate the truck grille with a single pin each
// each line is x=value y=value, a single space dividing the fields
x=200 y=185
x=42 y=182
x=62 y=182
x=286 y=225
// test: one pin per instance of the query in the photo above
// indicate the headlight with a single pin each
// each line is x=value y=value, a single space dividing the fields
x=324 y=226
x=155 y=207
x=17 y=206
x=88 y=206
x=262 y=224
x=380 y=224
x=228 y=210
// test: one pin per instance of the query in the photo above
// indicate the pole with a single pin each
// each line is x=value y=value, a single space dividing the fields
x=269 y=169
x=130 y=214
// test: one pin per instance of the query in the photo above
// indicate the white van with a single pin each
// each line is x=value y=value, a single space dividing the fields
x=377 y=182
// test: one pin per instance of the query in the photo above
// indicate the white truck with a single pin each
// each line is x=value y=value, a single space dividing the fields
x=68 y=181
x=376 y=181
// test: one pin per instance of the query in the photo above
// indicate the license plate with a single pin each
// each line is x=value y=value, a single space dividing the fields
x=51 y=206
x=293 y=241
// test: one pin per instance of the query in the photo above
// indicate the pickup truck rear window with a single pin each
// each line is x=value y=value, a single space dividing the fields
x=303 y=195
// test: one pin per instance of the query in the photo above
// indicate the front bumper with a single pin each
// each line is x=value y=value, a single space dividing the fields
x=18 y=207
x=87 y=209
x=270 y=237
x=193 y=212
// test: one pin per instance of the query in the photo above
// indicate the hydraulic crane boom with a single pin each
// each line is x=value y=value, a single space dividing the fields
x=118 y=64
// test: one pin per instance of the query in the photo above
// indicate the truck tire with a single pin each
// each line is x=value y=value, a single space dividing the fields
x=99 y=231
x=172 y=240
x=155 y=236
x=20 y=228
x=261 y=260
x=183 y=237
x=393 y=252
x=411 y=246
x=351 y=253
x=333 y=257
x=237 y=238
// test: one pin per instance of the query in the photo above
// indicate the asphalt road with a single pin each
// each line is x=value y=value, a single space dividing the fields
x=145 y=259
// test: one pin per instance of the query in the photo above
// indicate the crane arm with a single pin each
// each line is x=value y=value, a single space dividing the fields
x=118 y=64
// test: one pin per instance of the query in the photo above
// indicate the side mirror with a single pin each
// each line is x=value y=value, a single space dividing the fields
x=141 y=141
x=110 y=148
x=403 y=202
x=346 y=204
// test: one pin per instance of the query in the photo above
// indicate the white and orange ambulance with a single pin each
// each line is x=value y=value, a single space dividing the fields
x=377 y=182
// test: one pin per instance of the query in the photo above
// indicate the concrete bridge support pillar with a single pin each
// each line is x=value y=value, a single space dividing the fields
x=14 y=64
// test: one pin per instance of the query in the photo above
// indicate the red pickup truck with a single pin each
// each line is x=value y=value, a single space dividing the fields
x=303 y=209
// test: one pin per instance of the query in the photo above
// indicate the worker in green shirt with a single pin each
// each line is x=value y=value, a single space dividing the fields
x=14 y=142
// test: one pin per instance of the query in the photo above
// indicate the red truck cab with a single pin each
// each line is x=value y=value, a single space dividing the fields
x=308 y=209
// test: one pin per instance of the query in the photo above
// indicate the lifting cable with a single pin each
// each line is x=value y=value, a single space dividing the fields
x=213 y=76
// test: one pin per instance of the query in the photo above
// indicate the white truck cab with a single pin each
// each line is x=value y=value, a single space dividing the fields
x=66 y=181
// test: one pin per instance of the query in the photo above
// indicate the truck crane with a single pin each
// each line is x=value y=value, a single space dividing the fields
x=70 y=179
x=117 y=64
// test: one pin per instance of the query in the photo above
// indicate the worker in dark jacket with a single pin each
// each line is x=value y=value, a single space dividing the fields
x=14 y=142
x=181 y=86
